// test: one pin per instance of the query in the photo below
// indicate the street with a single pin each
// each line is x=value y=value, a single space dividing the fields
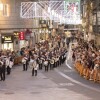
x=61 y=83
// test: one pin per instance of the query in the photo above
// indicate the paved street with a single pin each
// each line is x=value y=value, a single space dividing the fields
x=58 y=84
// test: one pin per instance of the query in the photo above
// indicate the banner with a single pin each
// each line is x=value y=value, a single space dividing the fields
x=22 y=36
x=72 y=11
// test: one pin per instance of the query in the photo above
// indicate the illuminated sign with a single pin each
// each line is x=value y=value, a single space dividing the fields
x=16 y=34
x=72 y=11
x=22 y=36
x=7 y=39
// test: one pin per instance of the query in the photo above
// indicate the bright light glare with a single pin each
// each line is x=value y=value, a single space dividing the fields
x=49 y=9
x=1 y=6
x=52 y=12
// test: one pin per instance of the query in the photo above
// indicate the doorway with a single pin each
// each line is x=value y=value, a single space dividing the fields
x=8 y=46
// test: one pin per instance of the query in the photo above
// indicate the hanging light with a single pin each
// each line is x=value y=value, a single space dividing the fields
x=53 y=12
x=57 y=15
x=49 y=9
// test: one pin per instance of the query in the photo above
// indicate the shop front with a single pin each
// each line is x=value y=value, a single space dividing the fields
x=23 y=40
x=16 y=40
x=7 y=42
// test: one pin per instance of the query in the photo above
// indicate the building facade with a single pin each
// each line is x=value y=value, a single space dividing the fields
x=91 y=20
x=11 y=23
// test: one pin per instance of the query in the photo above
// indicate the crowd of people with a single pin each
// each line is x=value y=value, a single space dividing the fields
x=47 y=54
x=89 y=56
x=6 y=62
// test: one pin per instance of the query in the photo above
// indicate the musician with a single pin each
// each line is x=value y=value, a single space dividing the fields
x=46 y=63
x=52 y=63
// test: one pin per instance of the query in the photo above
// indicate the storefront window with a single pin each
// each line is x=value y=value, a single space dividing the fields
x=5 y=10
x=7 y=42
x=8 y=46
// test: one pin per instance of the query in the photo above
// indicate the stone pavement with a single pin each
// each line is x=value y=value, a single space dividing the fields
x=22 y=86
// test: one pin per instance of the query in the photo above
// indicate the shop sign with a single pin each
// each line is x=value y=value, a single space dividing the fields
x=7 y=39
x=16 y=34
x=42 y=22
x=22 y=36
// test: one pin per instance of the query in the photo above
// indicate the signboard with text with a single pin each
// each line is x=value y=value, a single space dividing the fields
x=22 y=36
x=7 y=39
x=16 y=34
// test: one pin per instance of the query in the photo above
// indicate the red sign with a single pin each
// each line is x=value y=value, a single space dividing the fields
x=22 y=36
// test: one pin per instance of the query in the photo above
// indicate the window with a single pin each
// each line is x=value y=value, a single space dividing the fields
x=5 y=10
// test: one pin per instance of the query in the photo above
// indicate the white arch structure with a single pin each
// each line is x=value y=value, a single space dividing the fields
x=59 y=11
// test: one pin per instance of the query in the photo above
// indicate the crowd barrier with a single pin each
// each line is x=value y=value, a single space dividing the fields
x=17 y=60
x=87 y=73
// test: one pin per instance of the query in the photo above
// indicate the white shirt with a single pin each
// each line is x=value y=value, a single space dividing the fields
x=24 y=60
x=31 y=62
x=45 y=63
x=7 y=62
x=1 y=62
x=36 y=67
x=11 y=64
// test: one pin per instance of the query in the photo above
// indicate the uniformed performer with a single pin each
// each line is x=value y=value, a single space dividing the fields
x=60 y=60
x=34 y=67
x=51 y=63
x=40 y=63
x=46 y=63
x=24 y=60
x=57 y=60
x=65 y=55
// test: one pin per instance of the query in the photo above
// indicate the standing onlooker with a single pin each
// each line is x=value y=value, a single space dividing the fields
x=40 y=63
x=10 y=64
x=31 y=64
x=2 y=70
x=7 y=65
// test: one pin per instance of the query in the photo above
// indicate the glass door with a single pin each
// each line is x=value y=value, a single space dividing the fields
x=8 y=46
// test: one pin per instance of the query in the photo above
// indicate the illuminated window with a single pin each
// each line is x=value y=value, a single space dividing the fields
x=5 y=10
x=1 y=6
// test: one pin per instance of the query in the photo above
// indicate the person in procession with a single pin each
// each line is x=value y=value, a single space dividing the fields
x=46 y=63
x=34 y=67
x=24 y=60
